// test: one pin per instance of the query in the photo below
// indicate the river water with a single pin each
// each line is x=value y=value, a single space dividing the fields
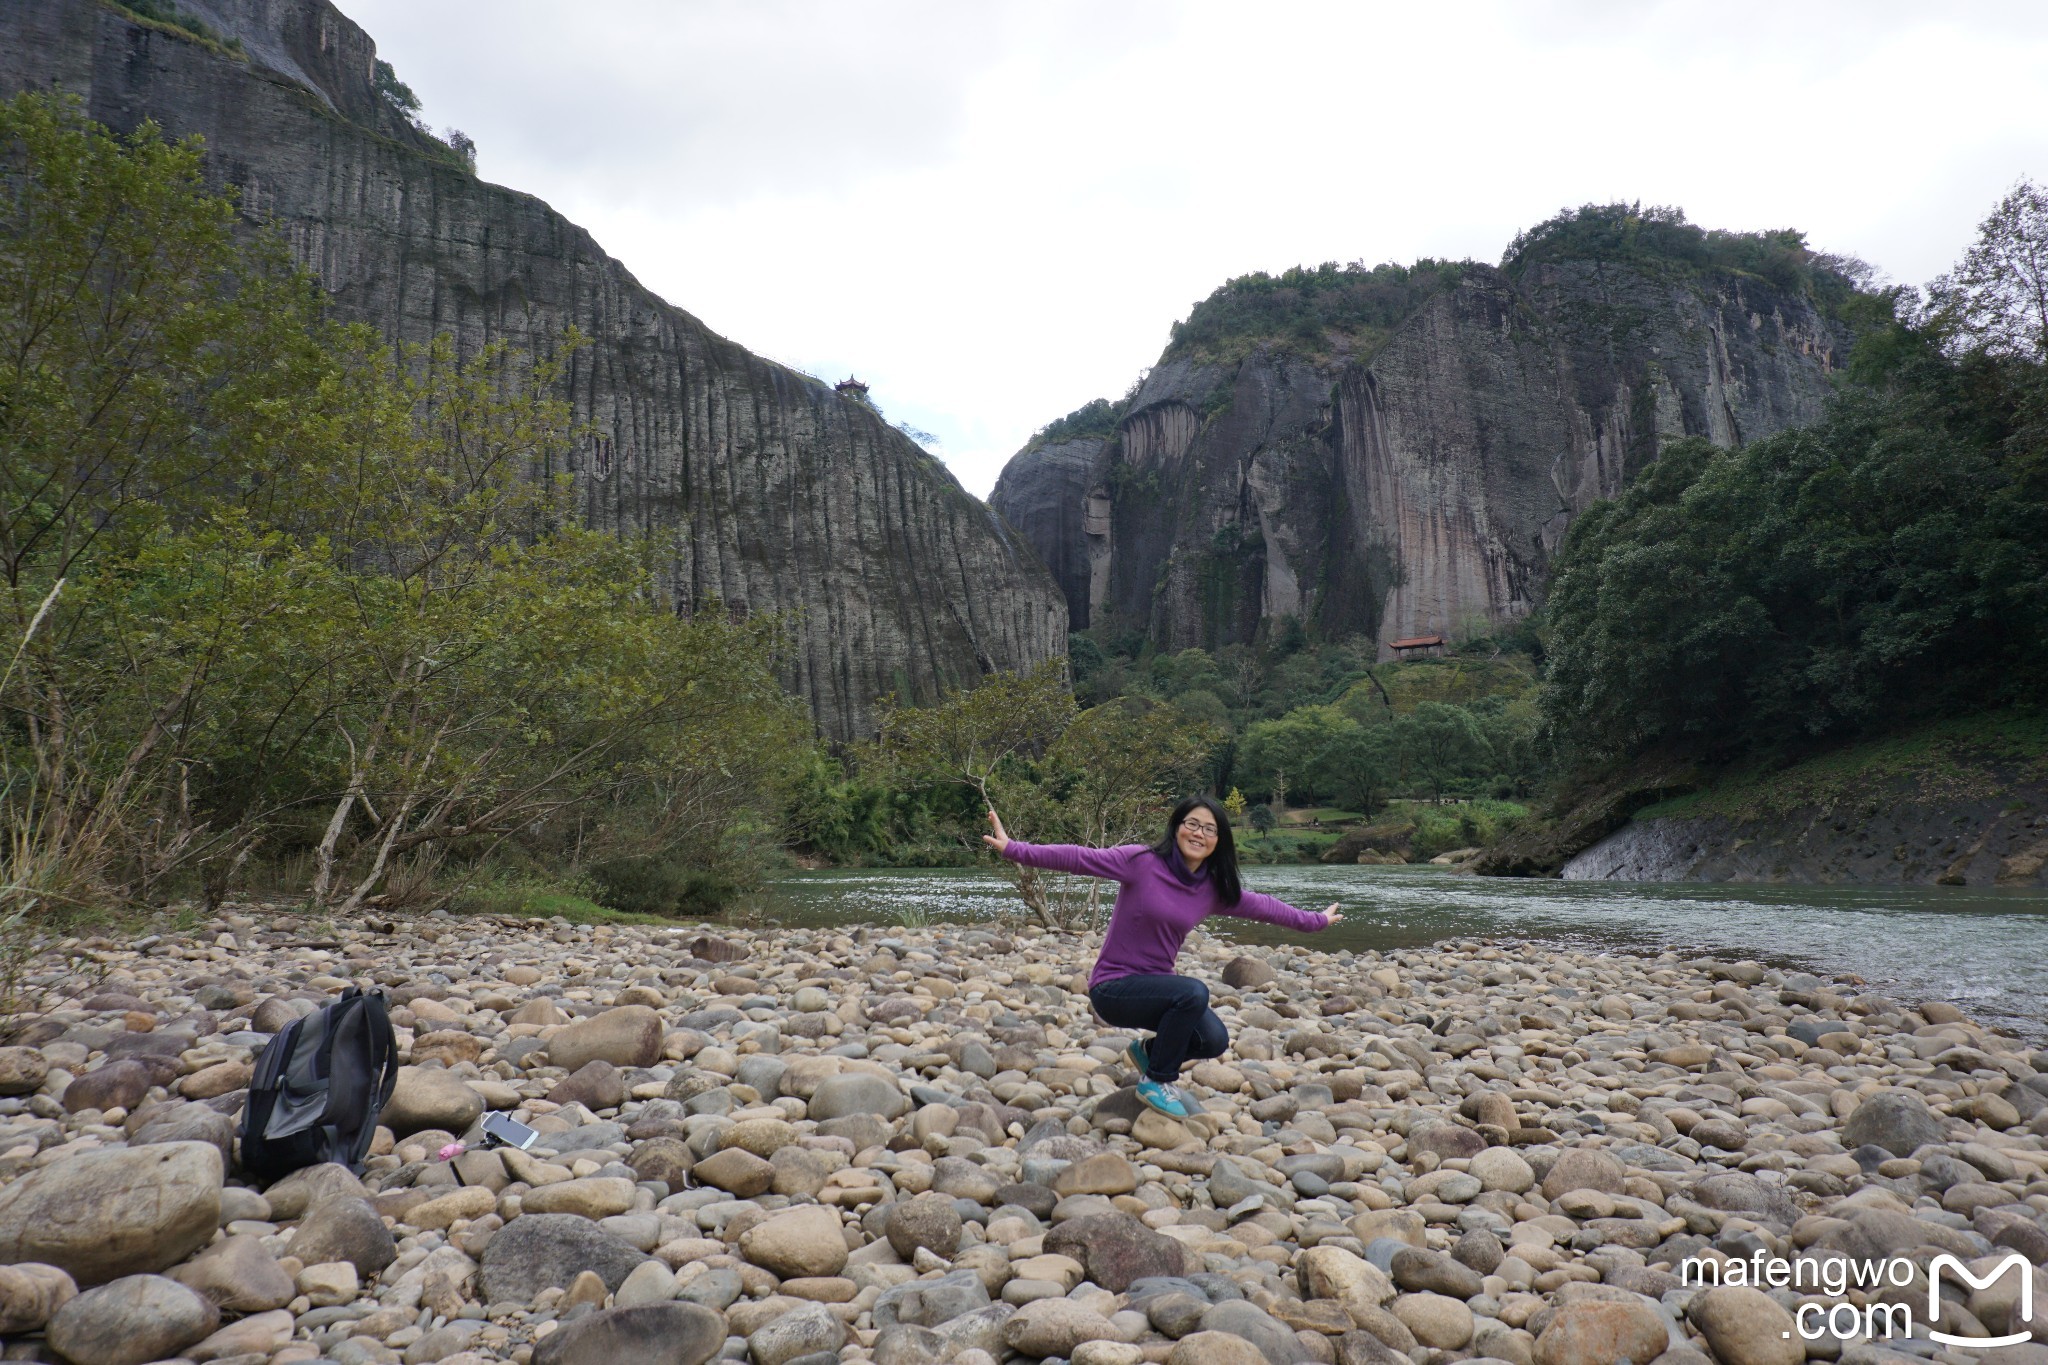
x=1985 y=950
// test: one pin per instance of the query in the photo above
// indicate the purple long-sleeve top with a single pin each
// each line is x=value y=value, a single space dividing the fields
x=1156 y=904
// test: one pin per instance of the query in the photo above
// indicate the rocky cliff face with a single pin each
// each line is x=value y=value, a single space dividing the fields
x=791 y=498
x=1420 y=485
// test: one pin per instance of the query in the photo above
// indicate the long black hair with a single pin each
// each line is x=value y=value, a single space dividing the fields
x=1221 y=864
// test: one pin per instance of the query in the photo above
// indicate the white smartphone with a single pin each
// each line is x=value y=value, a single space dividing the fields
x=500 y=1131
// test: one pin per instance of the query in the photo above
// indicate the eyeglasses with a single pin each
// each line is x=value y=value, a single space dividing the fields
x=1206 y=831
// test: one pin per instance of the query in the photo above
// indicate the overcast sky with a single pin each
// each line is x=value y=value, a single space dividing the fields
x=993 y=212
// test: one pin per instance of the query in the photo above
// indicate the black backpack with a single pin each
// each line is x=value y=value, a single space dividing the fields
x=319 y=1087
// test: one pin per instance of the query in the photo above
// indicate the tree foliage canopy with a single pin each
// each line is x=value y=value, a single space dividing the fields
x=1662 y=238
x=279 y=591
x=1886 y=563
x=1310 y=309
x=1996 y=299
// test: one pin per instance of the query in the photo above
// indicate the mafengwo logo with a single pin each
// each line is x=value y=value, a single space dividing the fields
x=1876 y=1318
x=2023 y=1314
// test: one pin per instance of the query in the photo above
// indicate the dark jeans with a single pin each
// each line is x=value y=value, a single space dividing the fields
x=1175 y=1008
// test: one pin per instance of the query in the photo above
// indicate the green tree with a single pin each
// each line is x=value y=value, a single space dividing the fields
x=302 y=573
x=968 y=736
x=1879 y=566
x=1996 y=299
x=1123 y=764
x=397 y=93
x=150 y=372
x=1292 y=745
x=985 y=740
x=1444 y=743
x=1359 y=765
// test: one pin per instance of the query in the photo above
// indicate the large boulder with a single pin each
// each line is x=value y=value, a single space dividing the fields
x=1328 y=1272
x=1116 y=1249
x=258 y=1335
x=239 y=1275
x=290 y=1197
x=186 y=1123
x=1499 y=1168
x=736 y=1171
x=1219 y=1348
x=596 y=1085
x=1597 y=1329
x=102 y=1215
x=344 y=1229
x=856 y=1093
x=1584 y=1168
x=809 y=1330
x=1436 y=1320
x=931 y=1303
x=643 y=1334
x=1246 y=1321
x=1735 y=1192
x=627 y=1036
x=1896 y=1120
x=134 y=1319
x=1746 y=1327
x=928 y=1222
x=29 y=1294
x=1446 y=1140
x=22 y=1070
x=597 y=1196
x=116 y=1085
x=799 y=1243
x=1054 y=1327
x=539 y=1251
x=1248 y=973
x=431 y=1097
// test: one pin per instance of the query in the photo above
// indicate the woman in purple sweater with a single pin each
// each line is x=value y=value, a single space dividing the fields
x=1166 y=890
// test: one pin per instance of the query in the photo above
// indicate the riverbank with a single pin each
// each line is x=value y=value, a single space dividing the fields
x=917 y=1145
x=1959 y=802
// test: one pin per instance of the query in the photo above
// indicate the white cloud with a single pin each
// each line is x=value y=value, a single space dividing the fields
x=993 y=212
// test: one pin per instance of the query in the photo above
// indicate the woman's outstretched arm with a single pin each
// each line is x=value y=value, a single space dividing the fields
x=1273 y=910
x=1114 y=863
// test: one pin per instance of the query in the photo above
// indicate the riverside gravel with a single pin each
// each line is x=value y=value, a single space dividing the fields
x=798 y=1146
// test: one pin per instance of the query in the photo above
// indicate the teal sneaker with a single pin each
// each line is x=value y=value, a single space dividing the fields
x=1140 y=1058
x=1162 y=1098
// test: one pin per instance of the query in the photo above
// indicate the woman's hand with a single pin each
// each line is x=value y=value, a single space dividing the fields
x=998 y=840
x=1332 y=915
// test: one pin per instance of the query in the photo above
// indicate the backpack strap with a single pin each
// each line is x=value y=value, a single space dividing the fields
x=379 y=1013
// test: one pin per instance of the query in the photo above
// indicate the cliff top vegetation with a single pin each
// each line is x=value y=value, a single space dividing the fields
x=1326 y=311
x=1660 y=238
x=1096 y=417
x=1333 y=310
x=161 y=14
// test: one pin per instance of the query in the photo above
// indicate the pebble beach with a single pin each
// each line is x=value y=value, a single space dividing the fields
x=910 y=1145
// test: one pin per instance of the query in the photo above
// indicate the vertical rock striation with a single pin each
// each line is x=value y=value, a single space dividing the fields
x=1422 y=487
x=788 y=497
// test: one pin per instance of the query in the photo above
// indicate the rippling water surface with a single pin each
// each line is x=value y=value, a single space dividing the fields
x=1985 y=950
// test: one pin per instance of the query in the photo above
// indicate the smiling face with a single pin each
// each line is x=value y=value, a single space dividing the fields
x=1196 y=837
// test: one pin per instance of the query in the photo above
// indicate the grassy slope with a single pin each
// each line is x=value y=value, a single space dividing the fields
x=1966 y=758
x=1456 y=679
